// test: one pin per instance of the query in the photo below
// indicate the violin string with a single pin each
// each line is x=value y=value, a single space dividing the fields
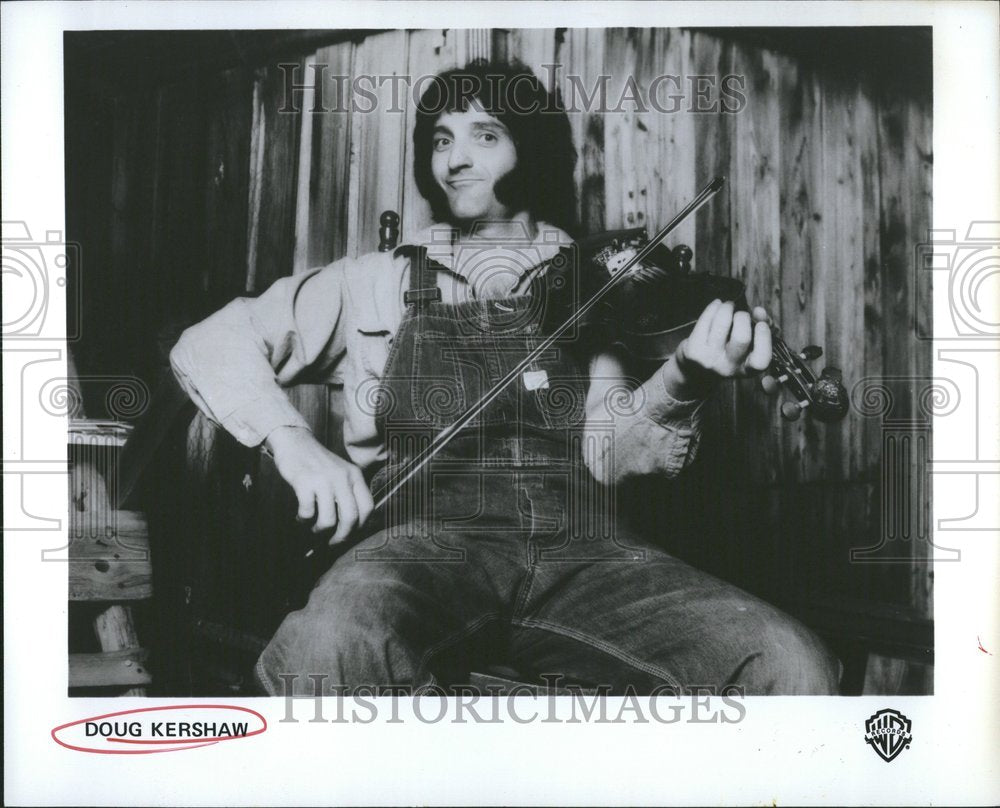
x=647 y=274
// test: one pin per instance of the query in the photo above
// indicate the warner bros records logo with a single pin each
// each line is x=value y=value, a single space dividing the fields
x=888 y=733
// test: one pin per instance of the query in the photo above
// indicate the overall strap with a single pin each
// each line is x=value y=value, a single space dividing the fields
x=423 y=279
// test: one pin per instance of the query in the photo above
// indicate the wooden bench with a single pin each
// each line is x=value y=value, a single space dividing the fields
x=109 y=565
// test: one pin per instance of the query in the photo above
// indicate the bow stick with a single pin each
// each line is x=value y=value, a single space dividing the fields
x=446 y=435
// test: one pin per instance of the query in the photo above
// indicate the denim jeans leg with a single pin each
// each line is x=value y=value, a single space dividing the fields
x=659 y=621
x=378 y=622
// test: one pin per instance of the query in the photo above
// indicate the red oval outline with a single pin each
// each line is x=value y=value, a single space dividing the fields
x=178 y=743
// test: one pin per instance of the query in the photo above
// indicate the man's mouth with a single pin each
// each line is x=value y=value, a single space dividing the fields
x=464 y=181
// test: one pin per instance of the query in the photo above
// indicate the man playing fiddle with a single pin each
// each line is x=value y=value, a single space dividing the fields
x=485 y=558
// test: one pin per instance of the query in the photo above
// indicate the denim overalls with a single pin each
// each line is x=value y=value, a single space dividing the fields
x=506 y=551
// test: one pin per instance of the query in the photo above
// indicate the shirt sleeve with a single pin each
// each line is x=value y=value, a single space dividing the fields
x=632 y=431
x=236 y=363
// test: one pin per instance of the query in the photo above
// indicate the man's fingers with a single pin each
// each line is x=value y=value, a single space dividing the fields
x=327 y=487
x=347 y=512
x=722 y=321
x=307 y=504
x=739 y=338
x=326 y=512
x=760 y=315
x=363 y=497
x=760 y=356
x=699 y=334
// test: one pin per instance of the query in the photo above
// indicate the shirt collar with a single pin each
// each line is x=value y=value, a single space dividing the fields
x=440 y=241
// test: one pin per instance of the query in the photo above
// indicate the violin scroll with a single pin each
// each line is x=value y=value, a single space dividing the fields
x=824 y=397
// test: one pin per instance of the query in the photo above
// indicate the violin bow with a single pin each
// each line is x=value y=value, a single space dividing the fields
x=414 y=466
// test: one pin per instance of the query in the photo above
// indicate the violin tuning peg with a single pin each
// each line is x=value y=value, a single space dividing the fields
x=682 y=255
x=388 y=233
x=769 y=384
x=811 y=352
x=790 y=411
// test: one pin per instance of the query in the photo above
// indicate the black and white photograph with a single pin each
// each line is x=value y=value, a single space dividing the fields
x=566 y=377
x=375 y=262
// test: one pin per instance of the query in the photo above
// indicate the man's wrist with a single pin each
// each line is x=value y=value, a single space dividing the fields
x=685 y=385
x=283 y=435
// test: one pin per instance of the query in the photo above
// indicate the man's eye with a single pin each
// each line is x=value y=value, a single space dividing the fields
x=488 y=137
x=441 y=143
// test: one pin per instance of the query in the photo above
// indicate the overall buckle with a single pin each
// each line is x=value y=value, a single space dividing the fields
x=412 y=296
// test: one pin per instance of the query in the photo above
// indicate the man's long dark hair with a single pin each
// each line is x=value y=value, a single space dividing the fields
x=542 y=180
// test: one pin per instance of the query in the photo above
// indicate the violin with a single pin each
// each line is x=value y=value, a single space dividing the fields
x=655 y=307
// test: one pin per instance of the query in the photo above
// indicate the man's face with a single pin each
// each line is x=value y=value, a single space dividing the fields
x=471 y=152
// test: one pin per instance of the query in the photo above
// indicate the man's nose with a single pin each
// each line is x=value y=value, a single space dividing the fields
x=458 y=157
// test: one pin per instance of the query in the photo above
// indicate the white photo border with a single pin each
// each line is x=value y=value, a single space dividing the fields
x=800 y=750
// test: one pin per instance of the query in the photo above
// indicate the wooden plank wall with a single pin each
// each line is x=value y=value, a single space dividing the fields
x=829 y=188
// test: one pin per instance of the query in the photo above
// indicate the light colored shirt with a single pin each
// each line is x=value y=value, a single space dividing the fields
x=335 y=324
